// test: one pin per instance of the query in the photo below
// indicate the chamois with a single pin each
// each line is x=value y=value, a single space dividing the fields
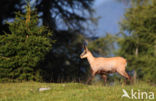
x=103 y=66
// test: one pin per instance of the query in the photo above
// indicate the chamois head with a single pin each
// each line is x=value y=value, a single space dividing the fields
x=85 y=52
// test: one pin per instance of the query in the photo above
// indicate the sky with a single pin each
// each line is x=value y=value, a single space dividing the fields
x=110 y=13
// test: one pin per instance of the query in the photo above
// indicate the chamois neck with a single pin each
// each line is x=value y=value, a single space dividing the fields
x=90 y=58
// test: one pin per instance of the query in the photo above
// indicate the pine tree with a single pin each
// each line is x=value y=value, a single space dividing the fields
x=24 y=48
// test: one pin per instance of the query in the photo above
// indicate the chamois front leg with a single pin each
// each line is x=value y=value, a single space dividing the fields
x=91 y=77
x=104 y=77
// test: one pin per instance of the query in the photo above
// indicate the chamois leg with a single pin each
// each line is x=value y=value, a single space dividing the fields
x=104 y=77
x=90 y=78
x=125 y=74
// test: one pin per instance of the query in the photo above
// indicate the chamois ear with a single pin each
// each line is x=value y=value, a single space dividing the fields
x=85 y=42
x=85 y=45
x=86 y=48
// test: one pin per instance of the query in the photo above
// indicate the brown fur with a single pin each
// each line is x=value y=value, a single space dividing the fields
x=103 y=66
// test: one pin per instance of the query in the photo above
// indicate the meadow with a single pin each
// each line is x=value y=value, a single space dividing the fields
x=29 y=91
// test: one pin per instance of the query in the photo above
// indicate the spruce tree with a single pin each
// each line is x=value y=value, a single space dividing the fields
x=24 y=48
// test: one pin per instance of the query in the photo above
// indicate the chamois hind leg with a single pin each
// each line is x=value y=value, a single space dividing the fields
x=104 y=77
x=125 y=74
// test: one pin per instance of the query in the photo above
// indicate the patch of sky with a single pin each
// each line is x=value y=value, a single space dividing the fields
x=110 y=13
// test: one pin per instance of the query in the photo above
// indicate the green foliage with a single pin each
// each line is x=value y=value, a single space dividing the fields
x=138 y=42
x=24 y=47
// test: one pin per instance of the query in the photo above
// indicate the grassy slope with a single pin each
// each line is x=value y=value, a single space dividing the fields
x=67 y=92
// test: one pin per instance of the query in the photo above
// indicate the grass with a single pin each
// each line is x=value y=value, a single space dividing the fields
x=29 y=91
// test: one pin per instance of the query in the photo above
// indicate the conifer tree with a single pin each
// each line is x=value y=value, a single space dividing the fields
x=138 y=42
x=24 y=48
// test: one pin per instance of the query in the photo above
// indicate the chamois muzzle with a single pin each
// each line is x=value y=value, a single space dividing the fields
x=82 y=54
